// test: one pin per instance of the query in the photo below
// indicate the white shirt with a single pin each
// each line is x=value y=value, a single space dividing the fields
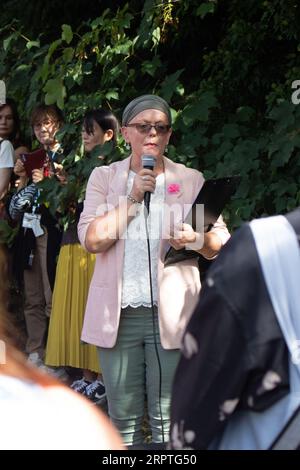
x=6 y=154
x=135 y=287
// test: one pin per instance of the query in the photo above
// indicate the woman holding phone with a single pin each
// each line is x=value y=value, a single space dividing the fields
x=39 y=237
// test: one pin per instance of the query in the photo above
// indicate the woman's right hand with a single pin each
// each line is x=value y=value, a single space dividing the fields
x=37 y=175
x=143 y=181
x=19 y=169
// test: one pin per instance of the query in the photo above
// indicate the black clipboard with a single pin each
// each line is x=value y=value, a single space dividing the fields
x=214 y=195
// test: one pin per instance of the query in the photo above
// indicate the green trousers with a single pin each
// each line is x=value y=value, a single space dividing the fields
x=131 y=372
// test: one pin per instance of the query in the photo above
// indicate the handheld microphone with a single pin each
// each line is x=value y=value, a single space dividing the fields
x=148 y=162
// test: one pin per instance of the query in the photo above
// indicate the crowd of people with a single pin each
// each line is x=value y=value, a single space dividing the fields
x=99 y=297
x=52 y=268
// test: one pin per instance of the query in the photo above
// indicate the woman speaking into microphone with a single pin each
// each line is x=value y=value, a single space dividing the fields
x=137 y=308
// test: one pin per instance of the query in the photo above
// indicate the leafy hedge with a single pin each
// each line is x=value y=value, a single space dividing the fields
x=225 y=66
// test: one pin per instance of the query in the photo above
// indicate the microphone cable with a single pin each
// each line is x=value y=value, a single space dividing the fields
x=146 y=213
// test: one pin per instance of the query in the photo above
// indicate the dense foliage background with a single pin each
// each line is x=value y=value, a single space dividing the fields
x=225 y=66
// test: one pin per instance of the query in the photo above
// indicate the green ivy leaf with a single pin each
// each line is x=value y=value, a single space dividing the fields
x=55 y=92
x=156 y=36
x=112 y=95
x=67 y=34
x=245 y=113
x=199 y=109
x=283 y=115
x=205 y=8
x=7 y=41
x=68 y=54
x=231 y=131
x=31 y=44
x=150 y=67
x=170 y=85
x=281 y=157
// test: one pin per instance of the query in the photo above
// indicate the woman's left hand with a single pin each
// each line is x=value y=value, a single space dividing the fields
x=60 y=173
x=207 y=244
x=184 y=235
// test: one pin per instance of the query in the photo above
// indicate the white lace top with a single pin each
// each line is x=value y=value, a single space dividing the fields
x=136 y=288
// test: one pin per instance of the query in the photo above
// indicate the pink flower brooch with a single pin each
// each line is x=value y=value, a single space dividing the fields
x=173 y=188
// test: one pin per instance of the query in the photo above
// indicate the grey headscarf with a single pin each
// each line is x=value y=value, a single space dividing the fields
x=142 y=103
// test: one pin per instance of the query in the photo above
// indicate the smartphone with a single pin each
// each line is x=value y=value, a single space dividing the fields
x=33 y=160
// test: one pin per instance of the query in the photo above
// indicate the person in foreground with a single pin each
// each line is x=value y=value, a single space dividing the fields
x=37 y=412
x=238 y=380
x=138 y=345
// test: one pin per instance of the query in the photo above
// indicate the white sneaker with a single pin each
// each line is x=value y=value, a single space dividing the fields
x=35 y=359
x=57 y=372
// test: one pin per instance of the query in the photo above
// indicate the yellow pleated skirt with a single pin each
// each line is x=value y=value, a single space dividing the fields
x=73 y=275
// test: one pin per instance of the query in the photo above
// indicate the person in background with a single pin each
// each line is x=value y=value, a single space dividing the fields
x=10 y=127
x=48 y=414
x=6 y=166
x=138 y=339
x=74 y=271
x=238 y=379
x=36 y=255
x=11 y=146
x=10 y=143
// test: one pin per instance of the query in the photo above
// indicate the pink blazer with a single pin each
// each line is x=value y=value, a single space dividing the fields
x=178 y=285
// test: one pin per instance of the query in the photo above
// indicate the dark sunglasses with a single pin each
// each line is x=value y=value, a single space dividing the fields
x=161 y=129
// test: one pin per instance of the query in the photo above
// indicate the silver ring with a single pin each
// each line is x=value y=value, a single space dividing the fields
x=145 y=178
